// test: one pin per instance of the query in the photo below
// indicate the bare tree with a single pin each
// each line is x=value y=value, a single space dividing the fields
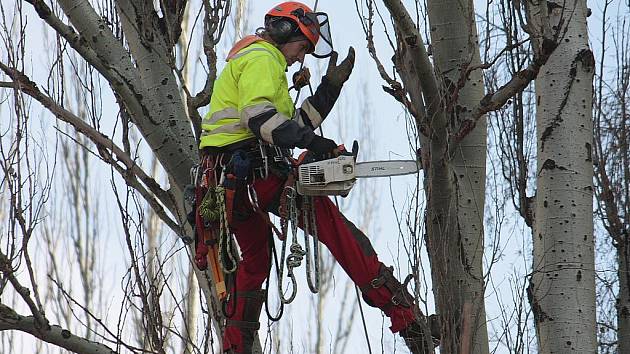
x=554 y=197
x=131 y=47
x=562 y=289
x=130 y=50
x=446 y=97
x=611 y=155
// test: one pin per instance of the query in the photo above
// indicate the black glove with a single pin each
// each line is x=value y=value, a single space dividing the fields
x=301 y=78
x=338 y=74
x=322 y=147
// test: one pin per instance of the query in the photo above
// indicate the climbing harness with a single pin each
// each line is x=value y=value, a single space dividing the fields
x=214 y=240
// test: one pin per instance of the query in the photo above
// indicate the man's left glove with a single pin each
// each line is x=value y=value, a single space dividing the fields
x=323 y=148
x=338 y=74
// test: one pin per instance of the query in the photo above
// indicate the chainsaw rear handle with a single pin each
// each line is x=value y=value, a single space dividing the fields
x=342 y=151
x=309 y=156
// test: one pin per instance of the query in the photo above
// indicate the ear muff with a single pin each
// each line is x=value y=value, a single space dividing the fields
x=281 y=29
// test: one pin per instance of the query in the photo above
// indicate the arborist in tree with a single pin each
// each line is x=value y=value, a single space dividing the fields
x=245 y=145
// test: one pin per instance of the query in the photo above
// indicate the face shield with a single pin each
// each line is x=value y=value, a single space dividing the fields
x=316 y=27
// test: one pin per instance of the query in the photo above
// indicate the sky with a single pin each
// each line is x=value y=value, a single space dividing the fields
x=364 y=113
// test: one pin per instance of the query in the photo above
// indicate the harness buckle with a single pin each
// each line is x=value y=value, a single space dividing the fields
x=264 y=169
x=377 y=282
x=278 y=155
x=395 y=300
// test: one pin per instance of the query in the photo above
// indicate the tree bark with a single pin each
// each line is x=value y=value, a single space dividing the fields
x=454 y=171
x=562 y=289
x=10 y=320
x=623 y=297
x=455 y=47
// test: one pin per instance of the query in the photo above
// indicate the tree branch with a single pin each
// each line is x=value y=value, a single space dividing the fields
x=213 y=23
x=173 y=11
x=155 y=62
x=76 y=41
x=394 y=88
x=38 y=317
x=11 y=320
x=104 y=144
x=495 y=100
x=411 y=37
x=114 y=62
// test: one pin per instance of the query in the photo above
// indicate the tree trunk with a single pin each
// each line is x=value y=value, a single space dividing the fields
x=623 y=297
x=455 y=47
x=562 y=289
x=454 y=171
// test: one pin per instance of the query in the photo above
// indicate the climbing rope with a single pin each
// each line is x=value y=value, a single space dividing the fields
x=310 y=228
x=226 y=241
x=297 y=253
x=308 y=223
x=294 y=259
x=212 y=210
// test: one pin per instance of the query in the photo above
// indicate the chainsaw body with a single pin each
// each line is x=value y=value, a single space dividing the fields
x=334 y=176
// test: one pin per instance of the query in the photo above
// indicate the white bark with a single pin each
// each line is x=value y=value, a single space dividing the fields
x=456 y=47
x=10 y=320
x=455 y=171
x=140 y=73
x=143 y=91
x=562 y=291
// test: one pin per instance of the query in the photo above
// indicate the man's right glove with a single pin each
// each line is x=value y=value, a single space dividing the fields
x=338 y=74
x=322 y=147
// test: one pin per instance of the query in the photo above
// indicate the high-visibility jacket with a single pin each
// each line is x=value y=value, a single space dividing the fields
x=250 y=99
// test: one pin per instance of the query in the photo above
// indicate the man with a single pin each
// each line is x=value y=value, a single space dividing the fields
x=251 y=104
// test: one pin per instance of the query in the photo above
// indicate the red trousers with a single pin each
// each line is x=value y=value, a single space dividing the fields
x=350 y=247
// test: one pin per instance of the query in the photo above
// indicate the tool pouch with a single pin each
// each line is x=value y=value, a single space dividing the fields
x=238 y=174
x=202 y=233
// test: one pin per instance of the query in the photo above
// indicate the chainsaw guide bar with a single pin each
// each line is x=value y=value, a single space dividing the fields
x=337 y=176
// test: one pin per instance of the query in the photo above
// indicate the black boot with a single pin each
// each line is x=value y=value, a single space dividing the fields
x=415 y=338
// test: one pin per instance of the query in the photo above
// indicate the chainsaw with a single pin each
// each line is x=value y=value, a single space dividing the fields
x=336 y=176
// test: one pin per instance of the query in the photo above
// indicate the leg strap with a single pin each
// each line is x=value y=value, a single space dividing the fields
x=399 y=294
x=253 y=301
x=249 y=323
x=243 y=324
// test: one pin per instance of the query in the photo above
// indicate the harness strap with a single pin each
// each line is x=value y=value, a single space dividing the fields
x=241 y=44
x=243 y=324
x=400 y=295
x=252 y=306
x=263 y=214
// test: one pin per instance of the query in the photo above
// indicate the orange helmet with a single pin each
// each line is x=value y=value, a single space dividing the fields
x=312 y=25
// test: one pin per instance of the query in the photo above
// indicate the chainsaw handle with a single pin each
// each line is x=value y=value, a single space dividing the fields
x=343 y=151
x=308 y=156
